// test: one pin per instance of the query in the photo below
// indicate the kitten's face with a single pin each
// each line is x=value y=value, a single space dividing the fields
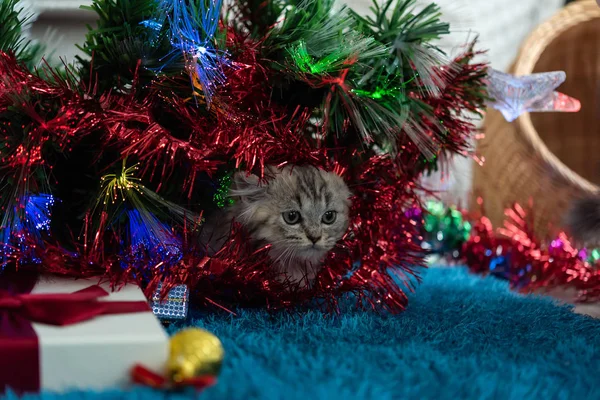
x=302 y=212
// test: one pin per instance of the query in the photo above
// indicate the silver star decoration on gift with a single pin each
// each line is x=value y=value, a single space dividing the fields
x=174 y=306
x=514 y=95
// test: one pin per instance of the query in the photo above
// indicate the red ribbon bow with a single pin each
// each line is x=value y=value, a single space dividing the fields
x=19 y=348
x=65 y=308
x=146 y=377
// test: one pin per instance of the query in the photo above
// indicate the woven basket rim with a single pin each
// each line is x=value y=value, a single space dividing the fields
x=530 y=53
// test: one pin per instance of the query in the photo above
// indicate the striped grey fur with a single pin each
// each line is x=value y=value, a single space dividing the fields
x=297 y=249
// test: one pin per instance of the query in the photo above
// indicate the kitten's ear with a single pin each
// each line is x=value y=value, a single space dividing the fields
x=247 y=187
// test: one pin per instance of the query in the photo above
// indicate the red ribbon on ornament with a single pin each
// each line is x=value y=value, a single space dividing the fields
x=146 y=377
x=19 y=346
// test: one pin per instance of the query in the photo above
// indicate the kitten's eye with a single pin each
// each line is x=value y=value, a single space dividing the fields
x=291 y=217
x=329 y=217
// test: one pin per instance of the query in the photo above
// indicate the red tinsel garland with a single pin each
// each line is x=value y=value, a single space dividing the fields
x=376 y=259
x=529 y=263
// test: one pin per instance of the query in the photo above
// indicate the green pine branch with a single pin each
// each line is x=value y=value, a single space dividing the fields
x=402 y=23
x=380 y=58
x=258 y=16
x=12 y=21
x=397 y=25
x=119 y=41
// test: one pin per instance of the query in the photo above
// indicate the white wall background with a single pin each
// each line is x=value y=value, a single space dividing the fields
x=501 y=26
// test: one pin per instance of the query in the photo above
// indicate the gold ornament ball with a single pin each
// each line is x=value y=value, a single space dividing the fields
x=194 y=352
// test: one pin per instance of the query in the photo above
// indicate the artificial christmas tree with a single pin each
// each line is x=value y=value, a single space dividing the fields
x=111 y=166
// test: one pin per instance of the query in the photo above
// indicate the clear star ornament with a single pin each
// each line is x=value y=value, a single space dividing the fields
x=515 y=95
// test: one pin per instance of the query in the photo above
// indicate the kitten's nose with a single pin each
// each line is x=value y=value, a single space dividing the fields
x=313 y=239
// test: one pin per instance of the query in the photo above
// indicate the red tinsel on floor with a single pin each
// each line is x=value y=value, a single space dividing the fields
x=528 y=262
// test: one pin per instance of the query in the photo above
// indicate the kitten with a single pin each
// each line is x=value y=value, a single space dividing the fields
x=583 y=220
x=302 y=212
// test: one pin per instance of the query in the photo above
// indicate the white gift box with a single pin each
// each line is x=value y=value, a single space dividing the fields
x=98 y=353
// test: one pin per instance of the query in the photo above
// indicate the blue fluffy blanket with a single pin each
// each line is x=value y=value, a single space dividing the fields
x=462 y=337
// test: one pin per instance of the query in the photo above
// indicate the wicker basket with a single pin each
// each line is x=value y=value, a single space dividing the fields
x=548 y=158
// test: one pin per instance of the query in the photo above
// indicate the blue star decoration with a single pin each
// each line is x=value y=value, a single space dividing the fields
x=515 y=95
